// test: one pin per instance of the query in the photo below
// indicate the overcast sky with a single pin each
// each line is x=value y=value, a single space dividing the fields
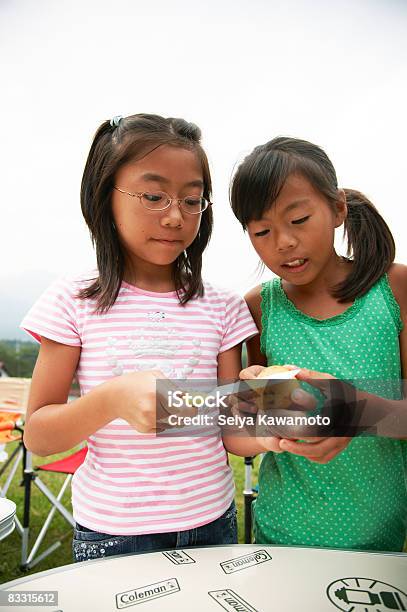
x=245 y=71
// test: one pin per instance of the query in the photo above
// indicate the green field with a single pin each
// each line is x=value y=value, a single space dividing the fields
x=10 y=548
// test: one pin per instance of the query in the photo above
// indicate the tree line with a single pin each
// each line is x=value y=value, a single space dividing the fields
x=19 y=357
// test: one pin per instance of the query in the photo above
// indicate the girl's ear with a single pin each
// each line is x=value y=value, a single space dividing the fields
x=341 y=208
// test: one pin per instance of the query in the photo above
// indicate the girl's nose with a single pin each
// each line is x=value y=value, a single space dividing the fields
x=285 y=241
x=172 y=216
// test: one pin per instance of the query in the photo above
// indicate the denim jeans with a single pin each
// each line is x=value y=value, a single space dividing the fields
x=88 y=544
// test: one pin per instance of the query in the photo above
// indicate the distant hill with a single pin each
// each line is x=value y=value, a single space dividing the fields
x=17 y=295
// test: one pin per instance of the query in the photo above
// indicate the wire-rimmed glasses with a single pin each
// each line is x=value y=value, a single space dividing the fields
x=159 y=200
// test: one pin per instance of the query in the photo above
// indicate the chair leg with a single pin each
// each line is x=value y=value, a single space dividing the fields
x=18 y=455
x=19 y=527
x=248 y=499
x=15 y=459
x=56 y=501
x=28 y=476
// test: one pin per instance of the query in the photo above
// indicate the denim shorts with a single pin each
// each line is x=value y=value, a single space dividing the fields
x=88 y=544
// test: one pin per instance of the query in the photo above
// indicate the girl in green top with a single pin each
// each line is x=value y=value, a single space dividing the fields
x=342 y=316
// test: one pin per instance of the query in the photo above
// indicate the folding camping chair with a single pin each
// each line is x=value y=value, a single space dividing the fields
x=13 y=401
x=68 y=466
x=249 y=494
x=13 y=405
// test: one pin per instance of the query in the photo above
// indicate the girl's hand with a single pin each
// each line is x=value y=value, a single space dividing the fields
x=270 y=443
x=243 y=407
x=138 y=400
x=245 y=400
x=311 y=376
x=251 y=372
x=245 y=403
x=322 y=449
x=299 y=397
x=318 y=450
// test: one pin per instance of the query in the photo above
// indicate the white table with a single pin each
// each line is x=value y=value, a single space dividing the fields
x=247 y=578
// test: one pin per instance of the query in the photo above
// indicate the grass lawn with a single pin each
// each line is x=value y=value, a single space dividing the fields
x=10 y=548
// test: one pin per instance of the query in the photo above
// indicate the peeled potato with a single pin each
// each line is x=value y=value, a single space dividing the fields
x=274 y=371
x=279 y=393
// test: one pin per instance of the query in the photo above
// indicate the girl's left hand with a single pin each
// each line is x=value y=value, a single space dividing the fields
x=318 y=450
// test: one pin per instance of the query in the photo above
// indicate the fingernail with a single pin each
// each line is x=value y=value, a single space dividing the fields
x=299 y=394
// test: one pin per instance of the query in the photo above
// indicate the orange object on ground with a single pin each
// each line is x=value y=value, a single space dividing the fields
x=7 y=424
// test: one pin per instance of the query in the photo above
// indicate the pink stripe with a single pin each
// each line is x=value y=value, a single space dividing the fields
x=137 y=528
x=129 y=327
x=238 y=329
x=155 y=450
x=137 y=316
x=203 y=372
x=198 y=453
x=127 y=306
x=158 y=444
x=165 y=465
x=151 y=522
x=177 y=443
x=185 y=469
x=123 y=426
x=151 y=442
x=147 y=456
x=207 y=364
x=225 y=476
x=183 y=497
x=47 y=331
x=107 y=479
x=167 y=515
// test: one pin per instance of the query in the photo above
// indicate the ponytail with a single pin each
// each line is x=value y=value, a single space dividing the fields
x=370 y=245
x=260 y=178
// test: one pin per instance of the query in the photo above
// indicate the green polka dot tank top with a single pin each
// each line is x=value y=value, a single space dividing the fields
x=359 y=499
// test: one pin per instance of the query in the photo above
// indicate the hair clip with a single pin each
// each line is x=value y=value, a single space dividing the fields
x=114 y=122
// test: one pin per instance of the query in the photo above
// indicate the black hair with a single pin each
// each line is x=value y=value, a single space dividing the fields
x=260 y=178
x=131 y=138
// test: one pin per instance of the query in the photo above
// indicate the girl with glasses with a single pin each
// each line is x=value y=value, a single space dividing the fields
x=145 y=315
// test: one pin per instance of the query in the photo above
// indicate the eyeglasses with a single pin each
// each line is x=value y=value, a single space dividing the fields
x=159 y=200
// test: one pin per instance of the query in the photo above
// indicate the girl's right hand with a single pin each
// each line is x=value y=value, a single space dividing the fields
x=272 y=443
x=251 y=372
x=137 y=399
x=269 y=443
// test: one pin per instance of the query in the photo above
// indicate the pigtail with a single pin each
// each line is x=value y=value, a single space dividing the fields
x=370 y=245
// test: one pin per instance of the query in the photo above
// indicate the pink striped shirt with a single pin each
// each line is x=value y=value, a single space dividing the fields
x=132 y=483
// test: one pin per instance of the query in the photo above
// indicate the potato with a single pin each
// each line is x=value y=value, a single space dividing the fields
x=278 y=393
